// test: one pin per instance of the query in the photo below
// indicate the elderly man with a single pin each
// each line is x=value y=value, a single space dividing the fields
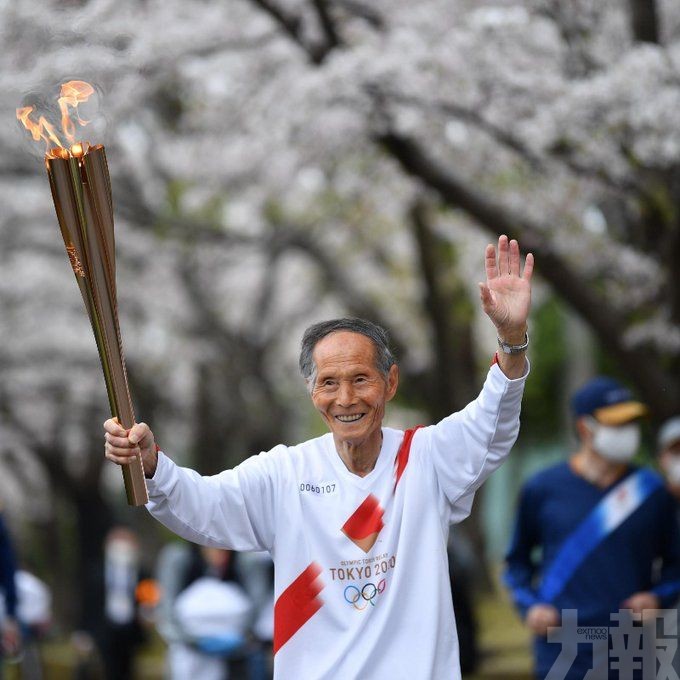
x=356 y=520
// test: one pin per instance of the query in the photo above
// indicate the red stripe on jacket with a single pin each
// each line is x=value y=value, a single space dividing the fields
x=403 y=454
x=297 y=604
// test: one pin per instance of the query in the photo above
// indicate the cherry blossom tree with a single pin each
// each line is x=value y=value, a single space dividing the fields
x=278 y=161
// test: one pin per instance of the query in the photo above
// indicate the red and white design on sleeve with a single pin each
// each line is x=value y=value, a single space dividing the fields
x=297 y=604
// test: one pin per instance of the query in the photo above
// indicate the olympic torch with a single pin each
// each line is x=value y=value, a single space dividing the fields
x=81 y=190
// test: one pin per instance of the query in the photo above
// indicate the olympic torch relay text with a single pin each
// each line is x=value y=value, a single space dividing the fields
x=372 y=566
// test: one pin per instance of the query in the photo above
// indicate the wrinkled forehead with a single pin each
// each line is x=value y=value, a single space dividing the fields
x=344 y=347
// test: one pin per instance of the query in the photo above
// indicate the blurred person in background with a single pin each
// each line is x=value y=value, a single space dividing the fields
x=123 y=630
x=11 y=633
x=602 y=528
x=668 y=452
x=362 y=512
x=464 y=565
x=210 y=610
x=34 y=614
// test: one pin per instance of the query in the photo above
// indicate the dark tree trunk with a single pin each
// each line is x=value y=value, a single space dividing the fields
x=93 y=521
x=644 y=21
x=453 y=376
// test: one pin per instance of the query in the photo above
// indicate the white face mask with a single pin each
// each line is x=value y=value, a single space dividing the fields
x=673 y=470
x=617 y=444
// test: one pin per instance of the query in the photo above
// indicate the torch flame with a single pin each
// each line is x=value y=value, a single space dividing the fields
x=73 y=93
x=40 y=130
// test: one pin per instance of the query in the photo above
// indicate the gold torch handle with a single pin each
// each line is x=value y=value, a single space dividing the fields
x=133 y=474
x=82 y=198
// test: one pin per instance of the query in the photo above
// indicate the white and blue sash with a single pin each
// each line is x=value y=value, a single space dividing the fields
x=612 y=510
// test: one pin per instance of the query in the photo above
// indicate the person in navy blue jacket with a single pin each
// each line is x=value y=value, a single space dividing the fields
x=10 y=628
x=606 y=534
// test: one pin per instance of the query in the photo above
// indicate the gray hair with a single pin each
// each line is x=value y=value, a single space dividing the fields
x=384 y=359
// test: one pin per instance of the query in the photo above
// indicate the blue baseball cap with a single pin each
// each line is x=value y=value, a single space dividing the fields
x=608 y=401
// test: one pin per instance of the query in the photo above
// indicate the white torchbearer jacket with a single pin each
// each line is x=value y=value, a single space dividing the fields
x=362 y=583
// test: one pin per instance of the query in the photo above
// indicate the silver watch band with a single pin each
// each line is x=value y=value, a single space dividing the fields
x=514 y=349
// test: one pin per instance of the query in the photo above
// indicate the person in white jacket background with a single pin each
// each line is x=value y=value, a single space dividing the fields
x=356 y=520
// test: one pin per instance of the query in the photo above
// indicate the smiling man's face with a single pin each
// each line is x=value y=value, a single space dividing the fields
x=349 y=391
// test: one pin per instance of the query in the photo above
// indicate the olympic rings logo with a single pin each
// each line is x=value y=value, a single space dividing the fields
x=360 y=598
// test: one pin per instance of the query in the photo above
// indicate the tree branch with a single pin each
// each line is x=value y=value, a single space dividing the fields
x=657 y=387
x=48 y=454
x=292 y=25
x=338 y=281
x=333 y=39
x=511 y=142
x=371 y=16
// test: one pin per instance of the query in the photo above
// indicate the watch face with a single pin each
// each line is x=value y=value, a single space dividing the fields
x=514 y=349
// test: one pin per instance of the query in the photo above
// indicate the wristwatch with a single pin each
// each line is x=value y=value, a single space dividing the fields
x=514 y=349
